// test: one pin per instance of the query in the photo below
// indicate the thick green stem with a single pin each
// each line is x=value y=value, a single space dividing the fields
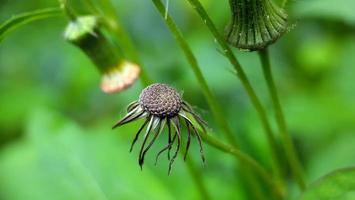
x=281 y=122
x=243 y=78
x=247 y=160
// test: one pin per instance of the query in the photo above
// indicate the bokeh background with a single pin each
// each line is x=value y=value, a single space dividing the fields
x=56 y=140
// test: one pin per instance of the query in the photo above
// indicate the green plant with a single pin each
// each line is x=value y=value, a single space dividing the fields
x=255 y=25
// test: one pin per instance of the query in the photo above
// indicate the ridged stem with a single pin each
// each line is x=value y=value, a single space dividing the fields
x=211 y=99
x=289 y=148
x=246 y=84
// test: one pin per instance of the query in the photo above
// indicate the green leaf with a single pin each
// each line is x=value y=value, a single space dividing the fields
x=339 y=184
x=56 y=156
x=18 y=20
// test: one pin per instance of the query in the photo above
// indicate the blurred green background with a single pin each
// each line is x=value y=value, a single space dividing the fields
x=56 y=140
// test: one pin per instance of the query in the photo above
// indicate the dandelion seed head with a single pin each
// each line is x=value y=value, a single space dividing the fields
x=160 y=100
x=162 y=106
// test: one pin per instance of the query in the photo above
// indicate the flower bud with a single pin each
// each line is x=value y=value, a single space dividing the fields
x=255 y=24
x=117 y=73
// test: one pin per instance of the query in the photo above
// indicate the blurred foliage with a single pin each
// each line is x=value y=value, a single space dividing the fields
x=337 y=185
x=56 y=140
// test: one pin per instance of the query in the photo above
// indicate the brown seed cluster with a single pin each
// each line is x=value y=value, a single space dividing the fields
x=160 y=100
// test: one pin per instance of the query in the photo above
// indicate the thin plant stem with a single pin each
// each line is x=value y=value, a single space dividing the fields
x=247 y=160
x=289 y=148
x=211 y=99
x=254 y=183
x=228 y=53
x=69 y=12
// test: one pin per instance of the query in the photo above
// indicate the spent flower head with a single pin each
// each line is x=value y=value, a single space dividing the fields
x=162 y=106
x=86 y=32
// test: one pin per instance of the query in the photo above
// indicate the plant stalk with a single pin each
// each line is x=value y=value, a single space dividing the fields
x=245 y=82
x=211 y=99
x=288 y=145
x=69 y=12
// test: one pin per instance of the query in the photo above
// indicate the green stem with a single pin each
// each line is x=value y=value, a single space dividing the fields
x=254 y=183
x=69 y=12
x=243 y=78
x=281 y=122
x=211 y=99
x=244 y=158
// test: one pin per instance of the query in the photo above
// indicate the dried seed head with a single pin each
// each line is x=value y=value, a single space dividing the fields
x=160 y=100
x=161 y=106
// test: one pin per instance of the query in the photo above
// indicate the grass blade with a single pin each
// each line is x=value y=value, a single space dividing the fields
x=17 y=21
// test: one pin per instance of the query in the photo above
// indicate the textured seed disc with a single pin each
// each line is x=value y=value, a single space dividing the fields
x=160 y=100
